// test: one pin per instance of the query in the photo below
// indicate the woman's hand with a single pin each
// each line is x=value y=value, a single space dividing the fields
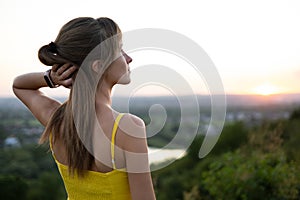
x=62 y=74
x=27 y=88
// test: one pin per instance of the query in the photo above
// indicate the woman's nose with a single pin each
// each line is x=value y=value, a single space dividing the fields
x=127 y=57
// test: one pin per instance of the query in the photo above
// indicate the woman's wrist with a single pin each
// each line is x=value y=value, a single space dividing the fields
x=49 y=80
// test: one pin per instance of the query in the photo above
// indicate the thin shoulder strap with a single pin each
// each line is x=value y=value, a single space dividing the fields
x=51 y=146
x=50 y=141
x=113 y=136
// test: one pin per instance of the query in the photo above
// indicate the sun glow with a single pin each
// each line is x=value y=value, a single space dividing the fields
x=266 y=89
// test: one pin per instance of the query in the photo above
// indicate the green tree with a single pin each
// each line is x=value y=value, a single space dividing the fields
x=12 y=188
x=18 y=162
x=255 y=176
x=47 y=187
x=232 y=137
x=295 y=114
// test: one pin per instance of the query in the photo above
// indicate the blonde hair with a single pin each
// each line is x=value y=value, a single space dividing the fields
x=74 y=43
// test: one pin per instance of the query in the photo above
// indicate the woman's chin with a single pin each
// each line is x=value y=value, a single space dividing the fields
x=124 y=81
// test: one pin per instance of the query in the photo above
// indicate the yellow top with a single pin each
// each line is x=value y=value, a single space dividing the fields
x=94 y=185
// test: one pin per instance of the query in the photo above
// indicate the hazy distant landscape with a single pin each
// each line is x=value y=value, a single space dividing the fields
x=233 y=100
x=256 y=157
x=250 y=109
x=204 y=100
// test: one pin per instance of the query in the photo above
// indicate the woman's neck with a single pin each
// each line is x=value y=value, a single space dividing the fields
x=103 y=97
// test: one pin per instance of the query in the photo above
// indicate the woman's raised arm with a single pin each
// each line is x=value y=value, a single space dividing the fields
x=26 y=88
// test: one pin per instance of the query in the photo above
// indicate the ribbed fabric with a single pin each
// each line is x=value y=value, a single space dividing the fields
x=96 y=185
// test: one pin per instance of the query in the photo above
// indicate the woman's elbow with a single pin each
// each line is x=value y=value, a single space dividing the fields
x=15 y=85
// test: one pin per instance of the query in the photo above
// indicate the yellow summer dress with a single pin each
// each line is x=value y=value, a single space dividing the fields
x=94 y=185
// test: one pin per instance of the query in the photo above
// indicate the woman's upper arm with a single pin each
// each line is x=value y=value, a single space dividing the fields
x=40 y=105
x=136 y=155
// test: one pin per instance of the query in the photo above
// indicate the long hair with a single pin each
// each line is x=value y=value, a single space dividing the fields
x=76 y=42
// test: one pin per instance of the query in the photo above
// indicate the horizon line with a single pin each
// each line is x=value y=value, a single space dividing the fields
x=145 y=96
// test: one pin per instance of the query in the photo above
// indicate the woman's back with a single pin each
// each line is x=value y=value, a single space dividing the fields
x=94 y=184
x=107 y=121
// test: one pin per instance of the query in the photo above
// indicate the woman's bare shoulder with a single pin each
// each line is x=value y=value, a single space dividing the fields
x=133 y=131
x=133 y=120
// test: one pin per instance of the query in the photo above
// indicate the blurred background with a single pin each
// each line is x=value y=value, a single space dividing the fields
x=255 y=47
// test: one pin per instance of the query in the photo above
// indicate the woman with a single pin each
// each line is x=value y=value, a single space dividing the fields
x=100 y=153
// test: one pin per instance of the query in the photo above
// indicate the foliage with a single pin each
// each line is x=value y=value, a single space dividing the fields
x=232 y=137
x=13 y=188
x=29 y=173
x=291 y=137
x=295 y=114
x=259 y=162
x=238 y=176
x=48 y=186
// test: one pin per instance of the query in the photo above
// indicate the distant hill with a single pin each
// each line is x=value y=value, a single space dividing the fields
x=171 y=101
x=205 y=100
x=15 y=103
x=259 y=100
x=11 y=103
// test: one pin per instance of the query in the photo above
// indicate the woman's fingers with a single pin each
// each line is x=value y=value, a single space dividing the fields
x=55 y=67
x=63 y=68
x=67 y=83
x=67 y=73
x=62 y=74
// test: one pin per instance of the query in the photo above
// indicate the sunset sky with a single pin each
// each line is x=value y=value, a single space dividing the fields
x=255 y=45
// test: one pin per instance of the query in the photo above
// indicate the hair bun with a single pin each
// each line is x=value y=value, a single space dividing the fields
x=49 y=56
x=52 y=47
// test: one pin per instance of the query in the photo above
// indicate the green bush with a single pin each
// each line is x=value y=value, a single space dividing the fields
x=255 y=176
x=295 y=114
x=291 y=136
x=29 y=173
x=48 y=186
x=232 y=137
x=12 y=187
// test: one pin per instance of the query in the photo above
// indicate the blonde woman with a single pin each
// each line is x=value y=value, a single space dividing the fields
x=100 y=153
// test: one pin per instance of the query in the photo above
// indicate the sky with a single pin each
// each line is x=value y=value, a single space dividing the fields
x=255 y=45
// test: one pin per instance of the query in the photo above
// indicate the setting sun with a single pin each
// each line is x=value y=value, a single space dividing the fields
x=266 y=89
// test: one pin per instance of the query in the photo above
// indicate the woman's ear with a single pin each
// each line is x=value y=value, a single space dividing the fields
x=96 y=66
